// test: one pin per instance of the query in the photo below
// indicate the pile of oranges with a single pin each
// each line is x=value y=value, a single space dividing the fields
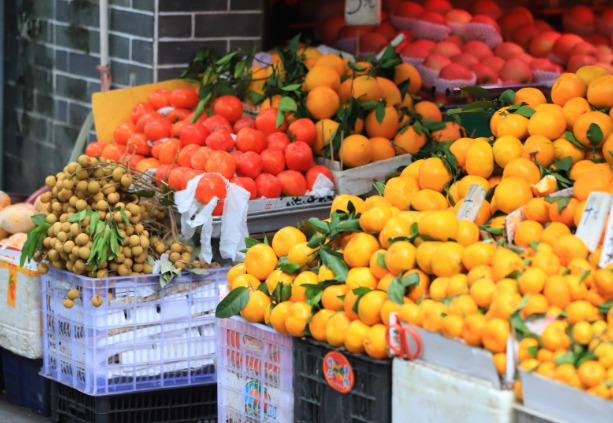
x=406 y=251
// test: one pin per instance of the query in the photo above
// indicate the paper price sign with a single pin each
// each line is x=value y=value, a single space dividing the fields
x=362 y=12
x=593 y=219
x=472 y=203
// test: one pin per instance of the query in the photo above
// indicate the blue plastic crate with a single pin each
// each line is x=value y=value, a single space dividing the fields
x=142 y=337
x=24 y=386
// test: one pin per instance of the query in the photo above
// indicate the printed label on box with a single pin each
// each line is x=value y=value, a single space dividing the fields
x=606 y=256
x=11 y=292
x=593 y=219
x=469 y=210
x=338 y=372
x=253 y=402
x=362 y=12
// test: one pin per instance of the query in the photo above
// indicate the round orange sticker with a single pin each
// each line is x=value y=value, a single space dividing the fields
x=338 y=372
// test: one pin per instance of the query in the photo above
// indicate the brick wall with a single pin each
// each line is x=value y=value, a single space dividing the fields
x=52 y=50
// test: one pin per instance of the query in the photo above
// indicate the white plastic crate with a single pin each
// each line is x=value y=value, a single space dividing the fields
x=20 y=316
x=142 y=337
x=432 y=394
x=254 y=373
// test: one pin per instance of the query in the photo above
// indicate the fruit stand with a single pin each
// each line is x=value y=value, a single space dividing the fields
x=400 y=216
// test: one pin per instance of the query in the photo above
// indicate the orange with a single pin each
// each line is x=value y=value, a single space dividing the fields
x=374 y=343
x=459 y=148
x=349 y=304
x=375 y=268
x=607 y=147
x=528 y=231
x=387 y=127
x=374 y=219
x=473 y=328
x=547 y=261
x=278 y=315
x=360 y=248
x=566 y=87
x=321 y=76
x=479 y=159
x=505 y=149
x=400 y=256
x=581 y=167
x=318 y=323
x=301 y=254
x=356 y=151
x=565 y=373
x=395 y=227
x=260 y=261
x=554 y=231
x=433 y=174
x=567 y=215
x=354 y=338
x=411 y=313
x=448 y=261
x=369 y=307
x=333 y=61
x=524 y=168
x=512 y=193
x=382 y=149
x=458 y=284
x=452 y=326
x=468 y=232
x=323 y=274
x=425 y=254
x=477 y=254
x=428 y=200
x=330 y=297
x=583 y=123
x=336 y=329
x=496 y=118
x=512 y=124
x=451 y=132
x=296 y=318
x=366 y=88
x=537 y=209
x=547 y=369
x=358 y=277
x=326 y=129
x=482 y=291
x=341 y=202
x=277 y=277
x=236 y=270
x=299 y=288
x=246 y=280
x=468 y=180
x=440 y=225
x=554 y=336
x=385 y=282
x=375 y=201
x=589 y=74
x=570 y=247
x=418 y=292
x=507 y=285
x=428 y=110
x=539 y=149
x=549 y=123
x=603 y=282
x=544 y=355
x=438 y=288
x=531 y=96
x=574 y=108
x=593 y=180
x=563 y=148
x=406 y=71
x=532 y=281
x=389 y=92
x=505 y=262
x=255 y=308
x=409 y=141
x=591 y=373
x=400 y=190
x=433 y=316
x=522 y=351
x=604 y=352
x=536 y=304
x=504 y=304
x=463 y=306
x=600 y=92
x=388 y=308
x=583 y=332
x=322 y=102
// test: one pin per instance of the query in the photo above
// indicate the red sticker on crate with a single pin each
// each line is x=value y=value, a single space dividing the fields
x=338 y=372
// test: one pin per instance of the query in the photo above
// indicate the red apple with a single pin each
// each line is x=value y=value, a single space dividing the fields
x=485 y=74
x=523 y=34
x=455 y=71
x=432 y=17
x=584 y=47
x=373 y=42
x=458 y=16
x=578 y=60
x=598 y=40
x=486 y=7
x=516 y=71
x=507 y=49
x=436 y=61
x=484 y=19
x=446 y=49
x=293 y=183
x=545 y=65
x=409 y=9
x=579 y=19
x=438 y=6
x=542 y=25
x=511 y=21
x=465 y=59
x=456 y=39
x=386 y=29
x=563 y=47
x=414 y=52
x=494 y=62
x=329 y=29
x=478 y=49
x=312 y=173
x=525 y=57
x=542 y=44
x=423 y=43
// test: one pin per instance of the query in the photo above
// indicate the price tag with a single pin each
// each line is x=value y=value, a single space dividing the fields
x=593 y=219
x=362 y=12
x=606 y=256
x=472 y=203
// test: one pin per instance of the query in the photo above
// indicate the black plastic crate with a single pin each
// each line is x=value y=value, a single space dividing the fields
x=193 y=404
x=24 y=386
x=315 y=401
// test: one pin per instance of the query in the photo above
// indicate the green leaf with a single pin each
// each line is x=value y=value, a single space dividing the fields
x=360 y=292
x=605 y=307
x=316 y=240
x=77 y=217
x=533 y=350
x=124 y=217
x=319 y=225
x=290 y=268
x=254 y=97
x=379 y=186
x=381 y=260
x=476 y=92
x=594 y=134
x=291 y=87
x=250 y=242
x=608 y=383
x=525 y=111
x=380 y=112
x=585 y=275
x=370 y=104
x=264 y=288
x=349 y=225
x=563 y=164
x=286 y=292
x=334 y=263
x=507 y=97
x=568 y=358
x=94 y=218
x=586 y=356
x=226 y=58
x=571 y=137
x=33 y=242
x=396 y=289
x=39 y=219
x=234 y=302
x=198 y=271
x=561 y=200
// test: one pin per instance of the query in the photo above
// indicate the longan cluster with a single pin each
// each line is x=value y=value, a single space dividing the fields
x=180 y=255
x=99 y=185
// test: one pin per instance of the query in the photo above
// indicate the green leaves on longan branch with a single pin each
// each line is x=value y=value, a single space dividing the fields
x=36 y=235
